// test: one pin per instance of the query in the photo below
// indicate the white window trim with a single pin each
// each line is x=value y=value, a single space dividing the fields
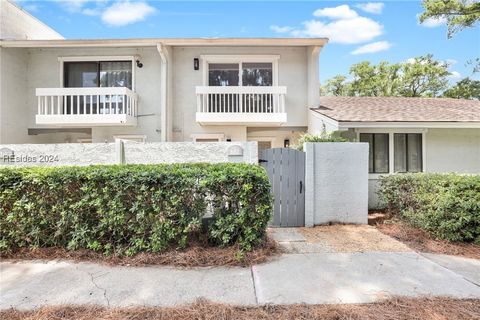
x=198 y=136
x=132 y=137
x=391 y=148
x=206 y=59
x=61 y=60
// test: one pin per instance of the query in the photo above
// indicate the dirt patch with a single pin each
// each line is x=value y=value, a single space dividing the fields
x=394 y=309
x=196 y=255
x=421 y=241
x=353 y=238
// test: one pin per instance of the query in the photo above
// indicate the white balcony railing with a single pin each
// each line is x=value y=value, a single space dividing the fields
x=86 y=106
x=241 y=105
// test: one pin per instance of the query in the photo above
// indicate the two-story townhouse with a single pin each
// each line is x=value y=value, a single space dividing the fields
x=57 y=90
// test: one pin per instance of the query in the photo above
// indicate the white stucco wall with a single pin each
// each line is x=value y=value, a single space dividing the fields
x=336 y=183
x=126 y=152
x=13 y=81
x=292 y=72
x=16 y=23
x=452 y=150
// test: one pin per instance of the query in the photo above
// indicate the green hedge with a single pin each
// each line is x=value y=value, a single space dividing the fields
x=445 y=205
x=132 y=208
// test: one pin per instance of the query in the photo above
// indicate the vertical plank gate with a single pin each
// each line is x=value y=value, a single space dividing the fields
x=286 y=170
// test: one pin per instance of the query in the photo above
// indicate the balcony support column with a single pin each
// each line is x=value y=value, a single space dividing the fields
x=163 y=52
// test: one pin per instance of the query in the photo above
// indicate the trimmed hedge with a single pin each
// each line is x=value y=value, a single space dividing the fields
x=127 y=209
x=445 y=205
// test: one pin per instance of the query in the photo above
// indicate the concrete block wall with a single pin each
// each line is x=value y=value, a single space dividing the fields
x=336 y=183
x=126 y=152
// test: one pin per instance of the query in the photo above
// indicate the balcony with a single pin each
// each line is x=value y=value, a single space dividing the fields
x=253 y=106
x=73 y=107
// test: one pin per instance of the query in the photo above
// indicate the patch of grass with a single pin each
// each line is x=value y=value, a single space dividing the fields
x=196 y=254
x=393 y=309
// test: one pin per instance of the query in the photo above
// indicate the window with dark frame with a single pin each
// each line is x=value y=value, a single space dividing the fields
x=378 y=157
x=408 y=152
x=87 y=74
x=92 y=74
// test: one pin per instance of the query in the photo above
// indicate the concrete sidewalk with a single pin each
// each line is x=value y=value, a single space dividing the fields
x=313 y=278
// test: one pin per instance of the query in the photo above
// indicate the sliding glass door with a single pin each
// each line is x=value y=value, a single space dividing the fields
x=88 y=74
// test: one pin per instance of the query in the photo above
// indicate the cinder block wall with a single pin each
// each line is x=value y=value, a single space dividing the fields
x=336 y=183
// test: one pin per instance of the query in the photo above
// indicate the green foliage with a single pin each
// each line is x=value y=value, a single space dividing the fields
x=422 y=76
x=375 y=80
x=459 y=14
x=445 y=205
x=323 y=137
x=337 y=86
x=464 y=89
x=127 y=209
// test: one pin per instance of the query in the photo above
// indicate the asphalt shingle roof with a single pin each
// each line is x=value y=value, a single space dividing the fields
x=399 y=109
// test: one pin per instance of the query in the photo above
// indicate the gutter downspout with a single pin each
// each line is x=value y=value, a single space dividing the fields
x=162 y=51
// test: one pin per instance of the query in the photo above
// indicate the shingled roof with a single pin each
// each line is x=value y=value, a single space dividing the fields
x=398 y=109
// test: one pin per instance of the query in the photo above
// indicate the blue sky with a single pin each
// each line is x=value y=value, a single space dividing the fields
x=358 y=30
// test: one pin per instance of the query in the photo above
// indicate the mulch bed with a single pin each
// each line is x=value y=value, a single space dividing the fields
x=421 y=241
x=393 y=309
x=197 y=254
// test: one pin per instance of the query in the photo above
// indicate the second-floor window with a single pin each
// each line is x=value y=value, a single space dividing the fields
x=240 y=74
x=98 y=74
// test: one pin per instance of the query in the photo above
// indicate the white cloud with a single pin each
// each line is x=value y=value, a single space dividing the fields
x=433 y=23
x=346 y=31
x=372 y=47
x=455 y=75
x=73 y=5
x=340 y=12
x=342 y=25
x=451 y=62
x=371 y=7
x=280 y=29
x=124 y=13
x=91 y=12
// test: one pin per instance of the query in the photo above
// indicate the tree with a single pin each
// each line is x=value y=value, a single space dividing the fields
x=375 y=80
x=337 y=86
x=420 y=77
x=459 y=14
x=464 y=89
x=423 y=77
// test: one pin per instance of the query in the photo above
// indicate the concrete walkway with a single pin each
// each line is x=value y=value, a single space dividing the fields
x=313 y=272
x=292 y=278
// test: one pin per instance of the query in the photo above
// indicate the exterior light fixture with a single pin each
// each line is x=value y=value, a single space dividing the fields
x=286 y=143
x=196 y=64
x=139 y=64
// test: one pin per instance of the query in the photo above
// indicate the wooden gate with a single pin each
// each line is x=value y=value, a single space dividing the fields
x=286 y=171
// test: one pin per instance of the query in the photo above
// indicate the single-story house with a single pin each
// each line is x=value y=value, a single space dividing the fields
x=405 y=134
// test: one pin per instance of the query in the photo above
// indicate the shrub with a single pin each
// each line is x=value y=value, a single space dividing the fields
x=445 y=205
x=323 y=137
x=132 y=208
